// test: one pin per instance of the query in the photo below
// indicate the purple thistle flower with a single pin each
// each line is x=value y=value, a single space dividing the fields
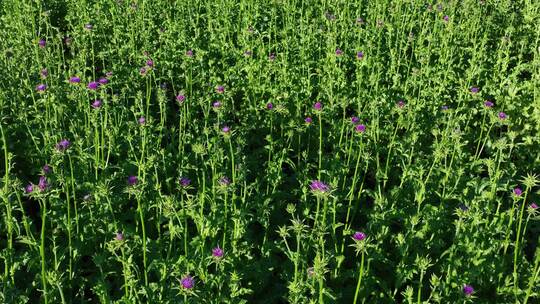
x=216 y=104
x=93 y=85
x=359 y=236
x=44 y=73
x=339 y=52
x=488 y=104
x=42 y=43
x=180 y=98
x=475 y=90
x=132 y=180
x=468 y=289
x=355 y=119
x=63 y=145
x=444 y=108
x=43 y=184
x=96 y=104
x=29 y=188
x=225 y=129
x=317 y=106
x=308 y=120
x=88 y=26
x=533 y=206
x=142 y=120
x=359 y=55
x=184 y=182
x=41 y=87
x=220 y=89
x=217 y=252
x=269 y=106
x=224 y=181
x=272 y=56
x=119 y=236
x=74 y=79
x=502 y=115
x=103 y=80
x=109 y=74
x=187 y=282
x=319 y=187
x=446 y=18
x=518 y=191
x=360 y=128
x=150 y=63
x=189 y=53
x=401 y=104
x=46 y=169
x=142 y=71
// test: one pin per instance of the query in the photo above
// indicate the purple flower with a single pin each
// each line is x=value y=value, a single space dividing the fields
x=502 y=115
x=109 y=74
x=533 y=206
x=189 y=53
x=93 y=85
x=272 y=56
x=96 y=104
x=103 y=80
x=46 y=169
x=132 y=180
x=468 y=289
x=355 y=119
x=220 y=89
x=446 y=18
x=317 y=106
x=475 y=90
x=142 y=120
x=217 y=252
x=400 y=104
x=339 y=52
x=248 y=53
x=43 y=184
x=184 y=182
x=42 y=43
x=119 y=236
x=187 y=282
x=142 y=71
x=308 y=120
x=216 y=104
x=319 y=187
x=225 y=129
x=488 y=104
x=517 y=191
x=269 y=106
x=444 y=108
x=68 y=41
x=29 y=188
x=224 y=181
x=360 y=128
x=180 y=98
x=359 y=55
x=74 y=79
x=88 y=26
x=359 y=236
x=150 y=63
x=63 y=145
x=44 y=73
x=41 y=87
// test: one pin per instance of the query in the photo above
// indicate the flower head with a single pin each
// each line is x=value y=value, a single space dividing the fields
x=533 y=206
x=187 y=282
x=103 y=80
x=93 y=85
x=359 y=236
x=317 y=186
x=360 y=128
x=43 y=184
x=150 y=63
x=272 y=56
x=96 y=104
x=517 y=191
x=184 y=182
x=109 y=74
x=317 y=106
x=63 y=145
x=29 y=188
x=46 y=169
x=189 y=53
x=308 y=120
x=220 y=89
x=248 y=53
x=488 y=104
x=44 y=73
x=355 y=119
x=339 y=52
x=119 y=236
x=217 y=252
x=446 y=18
x=475 y=90
x=216 y=104
x=269 y=106
x=142 y=71
x=224 y=181
x=41 y=87
x=444 y=108
x=42 y=43
x=74 y=79
x=180 y=98
x=502 y=116
x=132 y=180
x=468 y=289
x=225 y=129
x=400 y=104
x=142 y=120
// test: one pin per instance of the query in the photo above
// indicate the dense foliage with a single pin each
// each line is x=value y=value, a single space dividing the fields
x=279 y=151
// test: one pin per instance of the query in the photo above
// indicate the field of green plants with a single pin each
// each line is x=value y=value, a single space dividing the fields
x=269 y=151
